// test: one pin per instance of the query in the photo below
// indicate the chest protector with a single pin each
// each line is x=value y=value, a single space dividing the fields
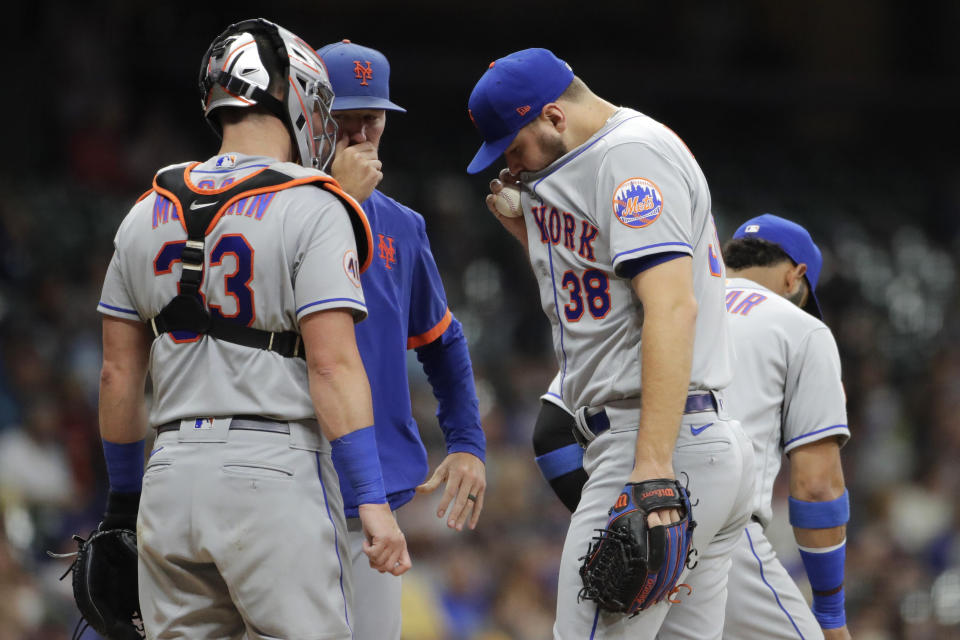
x=199 y=212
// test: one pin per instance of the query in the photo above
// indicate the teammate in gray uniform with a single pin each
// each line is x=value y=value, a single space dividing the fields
x=617 y=223
x=240 y=529
x=787 y=392
x=788 y=395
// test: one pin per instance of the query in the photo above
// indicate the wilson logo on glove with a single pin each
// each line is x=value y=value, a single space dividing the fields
x=631 y=566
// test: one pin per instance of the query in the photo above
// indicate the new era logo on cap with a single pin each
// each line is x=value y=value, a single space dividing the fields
x=511 y=95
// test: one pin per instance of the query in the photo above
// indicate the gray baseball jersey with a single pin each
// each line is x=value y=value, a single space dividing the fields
x=786 y=392
x=632 y=190
x=552 y=394
x=271 y=259
x=212 y=495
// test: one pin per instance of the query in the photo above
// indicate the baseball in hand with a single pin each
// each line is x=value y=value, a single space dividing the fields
x=507 y=202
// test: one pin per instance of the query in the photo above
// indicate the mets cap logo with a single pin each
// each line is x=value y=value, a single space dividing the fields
x=362 y=73
x=637 y=202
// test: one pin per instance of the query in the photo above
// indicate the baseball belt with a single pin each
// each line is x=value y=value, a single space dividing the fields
x=588 y=427
x=241 y=423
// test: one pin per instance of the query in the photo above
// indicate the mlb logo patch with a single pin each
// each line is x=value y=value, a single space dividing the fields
x=228 y=161
x=203 y=424
x=637 y=202
x=752 y=228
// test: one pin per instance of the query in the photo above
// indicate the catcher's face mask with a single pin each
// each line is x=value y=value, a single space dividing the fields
x=237 y=70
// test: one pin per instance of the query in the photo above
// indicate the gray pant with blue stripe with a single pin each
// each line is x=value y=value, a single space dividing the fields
x=714 y=454
x=763 y=601
x=241 y=535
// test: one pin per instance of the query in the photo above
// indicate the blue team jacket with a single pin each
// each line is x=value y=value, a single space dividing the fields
x=407 y=309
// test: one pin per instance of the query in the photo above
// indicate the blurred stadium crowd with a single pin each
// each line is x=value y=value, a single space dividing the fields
x=889 y=230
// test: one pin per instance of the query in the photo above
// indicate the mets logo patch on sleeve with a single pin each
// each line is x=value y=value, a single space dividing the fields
x=351 y=266
x=637 y=202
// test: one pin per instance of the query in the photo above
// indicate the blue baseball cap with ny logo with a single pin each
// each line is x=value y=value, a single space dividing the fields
x=510 y=95
x=795 y=242
x=360 y=77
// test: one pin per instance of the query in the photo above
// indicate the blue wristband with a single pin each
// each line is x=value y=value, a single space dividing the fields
x=820 y=515
x=124 y=465
x=356 y=457
x=825 y=570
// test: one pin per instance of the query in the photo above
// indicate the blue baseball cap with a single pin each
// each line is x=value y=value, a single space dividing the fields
x=510 y=95
x=360 y=77
x=795 y=242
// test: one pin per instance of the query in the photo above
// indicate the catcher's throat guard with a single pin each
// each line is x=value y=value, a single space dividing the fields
x=629 y=565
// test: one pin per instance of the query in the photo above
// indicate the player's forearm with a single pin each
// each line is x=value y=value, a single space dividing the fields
x=338 y=382
x=819 y=511
x=341 y=394
x=816 y=481
x=122 y=405
x=341 y=397
x=122 y=408
x=667 y=355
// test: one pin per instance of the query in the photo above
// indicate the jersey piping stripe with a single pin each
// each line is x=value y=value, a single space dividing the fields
x=432 y=334
x=120 y=309
x=575 y=155
x=813 y=433
x=336 y=540
x=596 y=619
x=556 y=306
x=769 y=586
x=652 y=246
x=313 y=304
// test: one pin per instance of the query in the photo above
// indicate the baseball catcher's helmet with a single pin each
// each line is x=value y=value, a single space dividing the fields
x=236 y=72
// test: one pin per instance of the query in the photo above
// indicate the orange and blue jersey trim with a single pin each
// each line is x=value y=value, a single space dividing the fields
x=431 y=335
x=364 y=243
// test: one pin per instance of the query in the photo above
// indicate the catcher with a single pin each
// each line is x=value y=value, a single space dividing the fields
x=256 y=377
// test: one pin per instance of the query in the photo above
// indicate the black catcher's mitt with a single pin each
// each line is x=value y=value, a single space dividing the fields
x=105 y=583
x=630 y=566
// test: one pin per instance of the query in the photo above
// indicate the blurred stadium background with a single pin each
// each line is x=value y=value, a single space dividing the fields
x=841 y=115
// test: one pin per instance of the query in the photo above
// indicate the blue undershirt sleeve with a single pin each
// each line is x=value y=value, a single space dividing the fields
x=631 y=268
x=446 y=362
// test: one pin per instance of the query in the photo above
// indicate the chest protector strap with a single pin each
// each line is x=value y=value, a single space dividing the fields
x=199 y=213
